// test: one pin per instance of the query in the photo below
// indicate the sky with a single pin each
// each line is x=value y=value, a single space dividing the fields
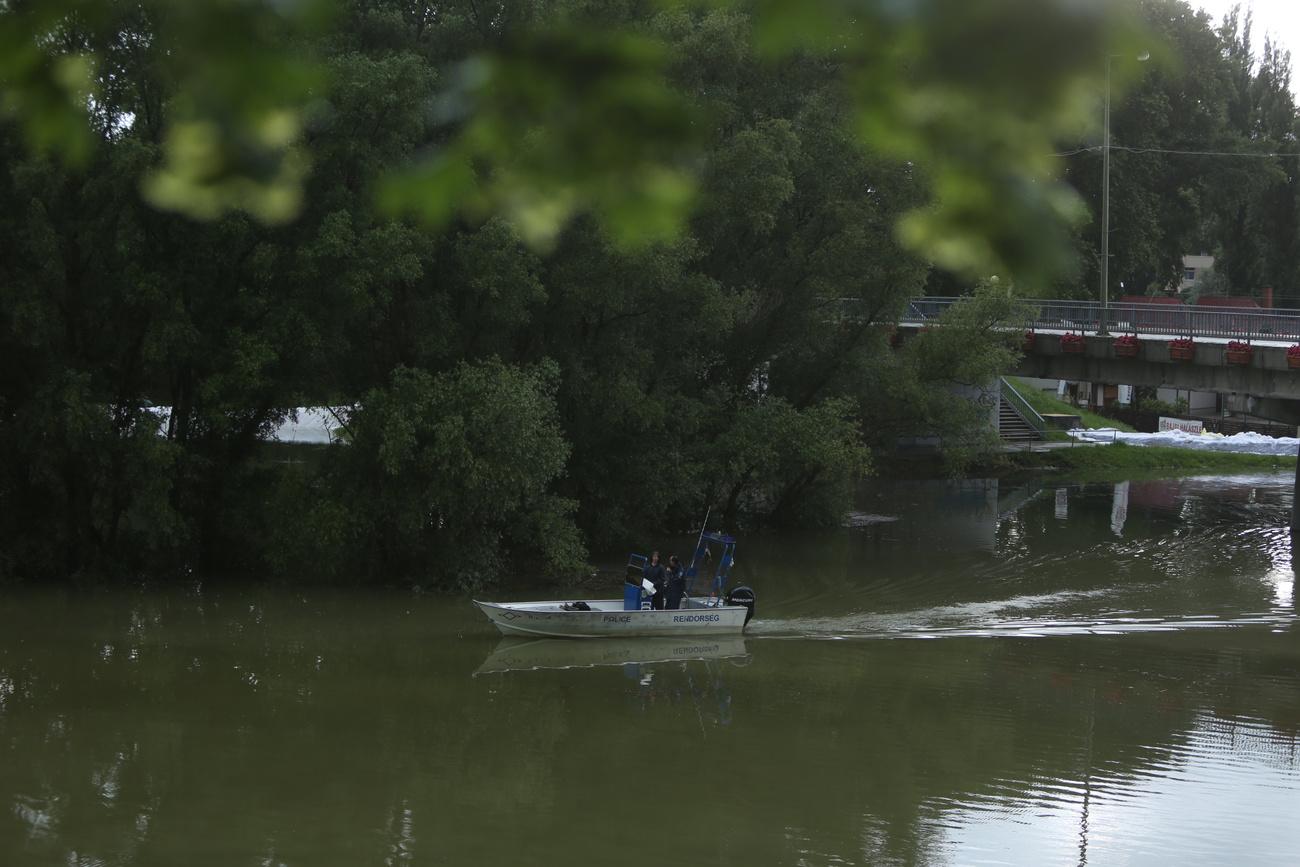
x=1279 y=19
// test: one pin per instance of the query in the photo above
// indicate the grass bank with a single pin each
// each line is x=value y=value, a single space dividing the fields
x=1090 y=457
x=1158 y=460
x=1122 y=456
x=1044 y=404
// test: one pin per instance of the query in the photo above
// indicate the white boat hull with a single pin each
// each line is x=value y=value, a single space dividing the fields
x=607 y=619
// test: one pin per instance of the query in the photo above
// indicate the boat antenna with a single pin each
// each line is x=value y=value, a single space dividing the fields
x=694 y=568
x=703 y=527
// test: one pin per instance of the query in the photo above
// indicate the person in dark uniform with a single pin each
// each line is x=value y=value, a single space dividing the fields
x=676 y=582
x=654 y=573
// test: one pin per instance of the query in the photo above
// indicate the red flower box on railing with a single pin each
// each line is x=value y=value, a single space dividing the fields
x=1126 y=345
x=1238 y=352
x=1293 y=355
x=1182 y=349
x=1028 y=344
x=1073 y=343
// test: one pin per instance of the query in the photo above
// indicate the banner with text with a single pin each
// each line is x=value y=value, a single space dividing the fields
x=1182 y=424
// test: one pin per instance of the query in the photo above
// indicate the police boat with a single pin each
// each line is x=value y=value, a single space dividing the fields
x=719 y=613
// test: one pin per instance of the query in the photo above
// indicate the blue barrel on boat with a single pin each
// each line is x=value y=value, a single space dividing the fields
x=631 y=597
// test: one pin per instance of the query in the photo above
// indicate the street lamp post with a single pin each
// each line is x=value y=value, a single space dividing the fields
x=1105 y=210
x=1105 y=205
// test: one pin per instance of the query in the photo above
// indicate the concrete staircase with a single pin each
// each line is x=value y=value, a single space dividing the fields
x=1012 y=428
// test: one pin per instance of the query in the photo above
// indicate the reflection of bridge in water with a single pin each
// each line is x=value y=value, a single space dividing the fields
x=1260 y=382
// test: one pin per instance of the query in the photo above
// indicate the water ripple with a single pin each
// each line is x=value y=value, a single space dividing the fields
x=922 y=625
x=1179 y=803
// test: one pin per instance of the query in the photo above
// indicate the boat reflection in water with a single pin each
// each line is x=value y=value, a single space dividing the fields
x=665 y=673
x=516 y=654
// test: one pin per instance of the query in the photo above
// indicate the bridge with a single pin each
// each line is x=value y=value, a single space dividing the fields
x=1260 y=382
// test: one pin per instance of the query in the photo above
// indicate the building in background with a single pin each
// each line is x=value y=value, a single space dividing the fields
x=1194 y=268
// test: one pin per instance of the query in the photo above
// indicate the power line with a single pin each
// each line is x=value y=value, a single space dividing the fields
x=1133 y=150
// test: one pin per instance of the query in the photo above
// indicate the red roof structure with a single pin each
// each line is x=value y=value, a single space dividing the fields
x=1151 y=299
x=1228 y=303
x=1142 y=315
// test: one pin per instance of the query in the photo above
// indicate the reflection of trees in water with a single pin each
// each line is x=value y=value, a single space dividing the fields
x=261 y=725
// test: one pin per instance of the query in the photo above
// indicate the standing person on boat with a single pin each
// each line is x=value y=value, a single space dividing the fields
x=676 y=582
x=654 y=573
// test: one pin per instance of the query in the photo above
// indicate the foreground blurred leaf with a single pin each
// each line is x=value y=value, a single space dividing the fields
x=558 y=121
x=232 y=139
x=563 y=110
x=975 y=95
x=45 y=78
x=237 y=82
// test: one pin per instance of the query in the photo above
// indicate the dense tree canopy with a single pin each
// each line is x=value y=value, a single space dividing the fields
x=568 y=270
x=1204 y=160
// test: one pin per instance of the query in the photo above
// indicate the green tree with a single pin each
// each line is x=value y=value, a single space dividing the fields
x=84 y=481
x=640 y=228
x=444 y=479
x=942 y=386
x=1252 y=226
x=1192 y=164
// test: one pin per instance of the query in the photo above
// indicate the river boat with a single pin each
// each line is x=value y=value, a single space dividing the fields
x=718 y=613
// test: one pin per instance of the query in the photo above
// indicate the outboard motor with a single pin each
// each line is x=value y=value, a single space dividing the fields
x=742 y=596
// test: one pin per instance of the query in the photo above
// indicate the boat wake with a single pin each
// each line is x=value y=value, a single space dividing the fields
x=1020 y=617
x=886 y=627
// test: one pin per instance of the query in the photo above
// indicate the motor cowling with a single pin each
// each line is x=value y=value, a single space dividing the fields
x=742 y=596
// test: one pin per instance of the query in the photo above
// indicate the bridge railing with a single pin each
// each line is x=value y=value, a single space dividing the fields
x=1167 y=319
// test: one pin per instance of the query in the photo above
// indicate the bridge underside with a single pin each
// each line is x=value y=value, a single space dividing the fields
x=1265 y=388
x=1261 y=384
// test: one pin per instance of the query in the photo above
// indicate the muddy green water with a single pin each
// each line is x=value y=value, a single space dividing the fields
x=982 y=673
